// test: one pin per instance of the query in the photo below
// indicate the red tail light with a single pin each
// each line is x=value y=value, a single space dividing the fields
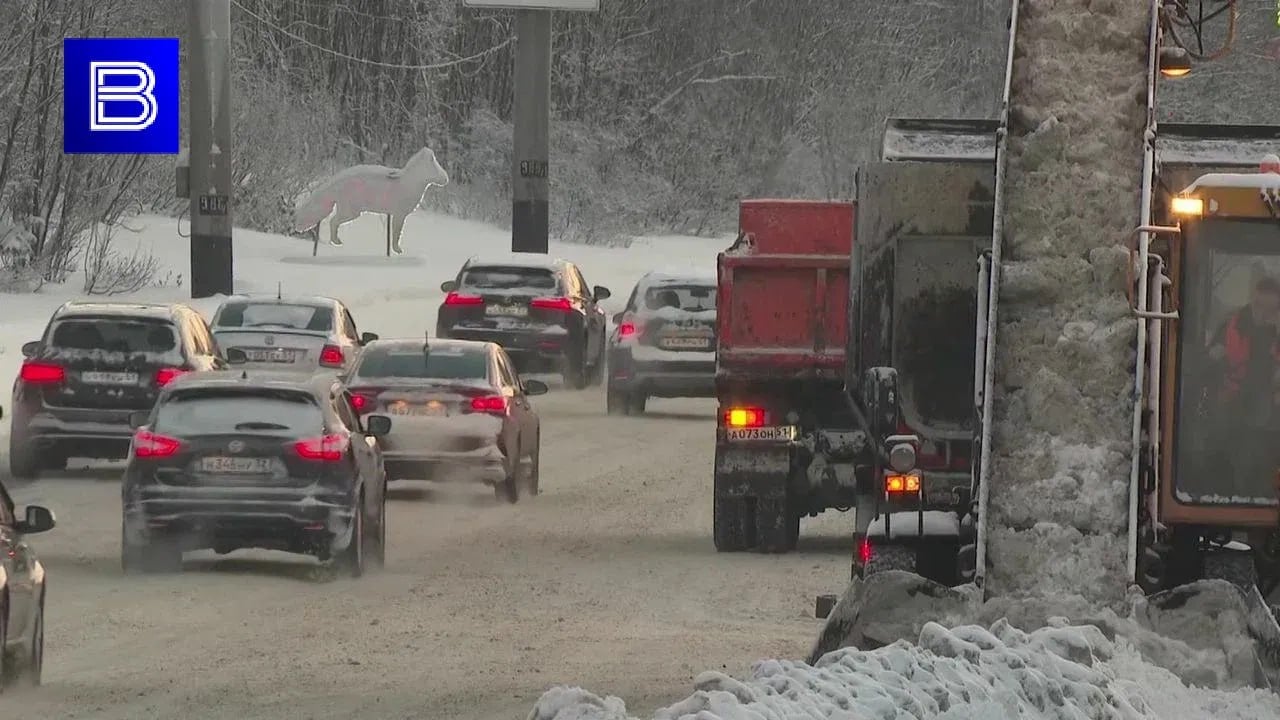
x=147 y=444
x=864 y=551
x=164 y=376
x=329 y=448
x=42 y=373
x=629 y=329
x=363 y=399
x=490 y=404
x=457 y=298
x=561 y=304
x=331 y=356
x=744 y=417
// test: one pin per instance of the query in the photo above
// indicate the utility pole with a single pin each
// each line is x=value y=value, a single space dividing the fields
x=531 y=115
x=209 y=115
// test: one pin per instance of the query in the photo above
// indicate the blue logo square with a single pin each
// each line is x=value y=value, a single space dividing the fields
x=120 y=96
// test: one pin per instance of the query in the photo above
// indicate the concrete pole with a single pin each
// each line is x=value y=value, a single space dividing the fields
x=209 y=115
x=531 y=115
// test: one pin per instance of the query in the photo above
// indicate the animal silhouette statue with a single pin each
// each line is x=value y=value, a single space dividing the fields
x=393 y=192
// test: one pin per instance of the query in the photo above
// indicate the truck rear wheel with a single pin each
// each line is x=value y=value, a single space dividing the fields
x=777 y=525
x=731 y=523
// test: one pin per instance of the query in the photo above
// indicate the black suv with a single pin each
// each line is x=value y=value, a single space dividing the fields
x=664 y=342
x=95 y=364
x=539 y=309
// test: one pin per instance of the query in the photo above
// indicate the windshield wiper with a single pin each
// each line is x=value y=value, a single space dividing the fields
x=260 y=425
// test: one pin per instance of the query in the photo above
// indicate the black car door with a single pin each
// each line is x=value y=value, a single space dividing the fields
x=18 y=561
x=367 y=456
x=521 y=410
x=594 y=324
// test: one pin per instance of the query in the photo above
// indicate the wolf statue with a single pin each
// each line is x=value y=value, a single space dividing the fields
x=394 y=192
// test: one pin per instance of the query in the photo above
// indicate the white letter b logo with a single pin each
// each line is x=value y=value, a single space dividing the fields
x=140 y=93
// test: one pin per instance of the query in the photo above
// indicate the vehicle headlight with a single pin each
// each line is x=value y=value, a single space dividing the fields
x=902 y=458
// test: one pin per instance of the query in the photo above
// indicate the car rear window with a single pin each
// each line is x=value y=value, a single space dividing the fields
x=437 y=364
x=123 y=335
x=509 y=278
x=213 y=412
x=690 y=298
x=275 y=315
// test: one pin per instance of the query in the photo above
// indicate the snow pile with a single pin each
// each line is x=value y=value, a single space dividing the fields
x=967 y=673
x=1065 y=338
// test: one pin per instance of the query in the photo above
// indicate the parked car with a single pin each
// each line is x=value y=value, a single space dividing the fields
x=539 y=309
x=461 y=410
x=663 y=343
x=95 y=364
x=290 y=333
x=276 y=460
x=22 y=593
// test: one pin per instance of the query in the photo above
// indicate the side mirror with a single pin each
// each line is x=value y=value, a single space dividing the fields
x=29 y=349
x=535 y=387
x=38 y=519
x=377 y=425
x=236 y=356
x=138 y=418
x=366 y=338
x=600 y=292
x=448 y=286
x=617 y=317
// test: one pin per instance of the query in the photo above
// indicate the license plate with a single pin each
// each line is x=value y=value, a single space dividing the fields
x=235 y=465
x=431 y=409
x=109 y=378
x=512 y=310
x=276 y=355
x=762 y=434
x=685 y=343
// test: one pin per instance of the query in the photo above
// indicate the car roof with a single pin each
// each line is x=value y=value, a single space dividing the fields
x=311 y=300
x=408 y=343
x=669 y=277
x=154 y=311
x=318 y=383
x=517 y=259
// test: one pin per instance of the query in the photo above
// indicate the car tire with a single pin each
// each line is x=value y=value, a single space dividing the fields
x=380 y=546
x=352 y=558
x=615 y=402
x=595 y=375
x=29 y=672
x=151 y=558
x=508 y=490
x=531 y=481
x=24 y=460
x=636 y=402
x=575 y=368
x=732 y=523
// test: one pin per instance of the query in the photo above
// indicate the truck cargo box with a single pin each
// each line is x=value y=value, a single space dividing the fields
x=784 y=291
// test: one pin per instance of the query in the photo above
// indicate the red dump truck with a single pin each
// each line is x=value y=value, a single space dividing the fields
x=845 y=363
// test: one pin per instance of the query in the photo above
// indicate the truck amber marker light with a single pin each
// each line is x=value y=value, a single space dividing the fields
x=902 y=483
x=744 y=417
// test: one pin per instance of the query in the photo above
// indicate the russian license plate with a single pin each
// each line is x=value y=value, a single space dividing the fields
x=512 y=310
x=271 y=355
x=685 y=343
x=783 y=433
x=235 y=465
x=431 y=409
x=109 y=378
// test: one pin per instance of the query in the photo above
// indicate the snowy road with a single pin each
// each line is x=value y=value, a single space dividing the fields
x=607 y=579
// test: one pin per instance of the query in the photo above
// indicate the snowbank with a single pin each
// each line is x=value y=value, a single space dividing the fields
x=970 y=672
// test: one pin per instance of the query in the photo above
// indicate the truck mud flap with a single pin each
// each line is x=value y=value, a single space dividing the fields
x=1164 y=612
x=760 y=472
x=889 y=606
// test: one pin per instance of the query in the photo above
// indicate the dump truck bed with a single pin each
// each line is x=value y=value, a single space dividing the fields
x=784 y=291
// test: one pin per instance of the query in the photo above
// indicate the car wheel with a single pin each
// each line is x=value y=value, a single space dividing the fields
x=351 y=560
x=636 y=402
x=509 y=489
x=532 y=481
x=595 y=375
x=149 y=558
x=30 y=673
x=24 y=461
x=4 y=641
x=380 y=548
x=615 y=402
x=575 y=368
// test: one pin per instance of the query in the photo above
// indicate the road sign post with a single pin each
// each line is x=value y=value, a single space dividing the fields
x=209 y=75
x=531 y=116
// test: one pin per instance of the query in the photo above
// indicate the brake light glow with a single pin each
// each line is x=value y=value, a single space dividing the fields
x=147 y=444
x=629 y=329
x=864 y=551
x=456 y=298
x=902 y=483
x=164 y=376
x=491 y=404
x=561 y=304
x=41 y=373
x=331 y=356
x=328 y=448
x=362 y=400
x=744 y=417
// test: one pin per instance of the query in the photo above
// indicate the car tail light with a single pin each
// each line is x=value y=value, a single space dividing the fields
x=629 y=329
x=42 y=373
x=147 y=444
x=902 y=483
x=362 y=400
x=561 y=304
x=864 y=551
x=328 y=448
x=490 y=404
x=331 y=356
x=457 y=298
x=744 y=417
x=164 y=376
